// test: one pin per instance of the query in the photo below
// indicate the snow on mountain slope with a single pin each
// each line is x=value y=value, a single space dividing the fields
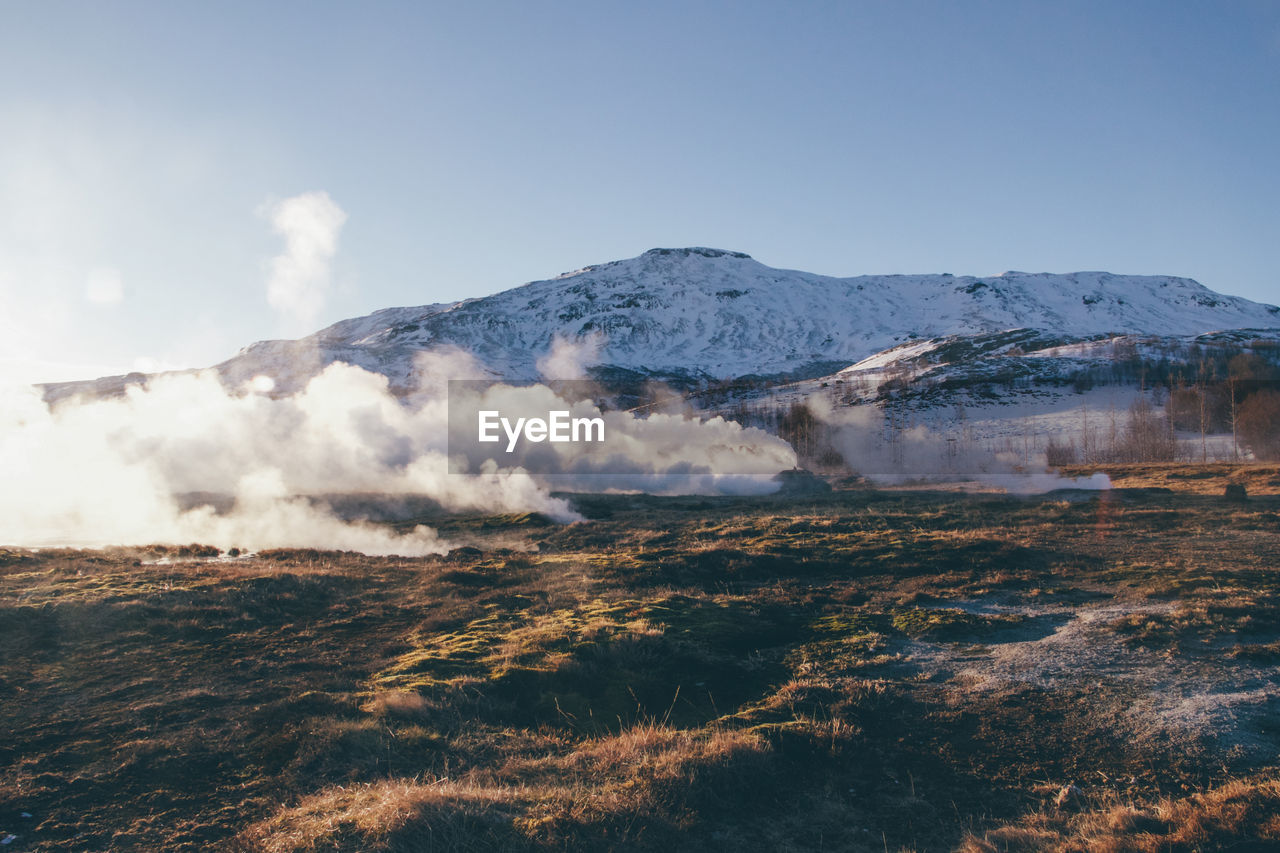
x=716 y=313
x=700 y=312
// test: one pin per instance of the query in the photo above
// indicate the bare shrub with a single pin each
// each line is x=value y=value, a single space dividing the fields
x=1147 y=436
x=1060 y=454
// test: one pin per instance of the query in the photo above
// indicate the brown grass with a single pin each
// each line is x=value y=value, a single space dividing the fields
x=1240 y=814
x=685 y=673
x=391 y=815
x=643 y=777
x=1258 y=478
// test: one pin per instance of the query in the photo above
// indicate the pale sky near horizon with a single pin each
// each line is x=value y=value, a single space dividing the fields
x=178 y=180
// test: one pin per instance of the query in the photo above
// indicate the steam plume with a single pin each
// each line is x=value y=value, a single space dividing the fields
x=298 y=285
x=94 y=472
x=890 y=455
x=569 y=358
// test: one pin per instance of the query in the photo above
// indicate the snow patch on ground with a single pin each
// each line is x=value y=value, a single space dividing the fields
x=1204 y=699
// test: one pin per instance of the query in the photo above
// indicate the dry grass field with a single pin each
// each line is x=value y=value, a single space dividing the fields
x=860 y=670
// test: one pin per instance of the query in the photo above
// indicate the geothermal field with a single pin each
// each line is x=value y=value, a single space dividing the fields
x=848 y=669
x=399 y=452
x=482 y=577
x=372 y=590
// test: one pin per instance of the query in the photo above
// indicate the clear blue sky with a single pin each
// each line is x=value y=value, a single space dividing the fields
x=475 y=146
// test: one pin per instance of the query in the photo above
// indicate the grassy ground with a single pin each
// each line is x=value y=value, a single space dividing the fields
x=1258 y=478
x=862 y=670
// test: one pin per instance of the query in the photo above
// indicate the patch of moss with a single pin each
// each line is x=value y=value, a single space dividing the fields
x=600 y=661
x=838 y=644
x=951 y=624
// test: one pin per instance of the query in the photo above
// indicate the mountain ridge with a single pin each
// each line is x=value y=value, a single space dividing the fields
x=703 y=313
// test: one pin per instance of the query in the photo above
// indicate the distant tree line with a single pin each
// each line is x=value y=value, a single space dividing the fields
x=1243 y=398
x=1204 y=389
x=1237 y=394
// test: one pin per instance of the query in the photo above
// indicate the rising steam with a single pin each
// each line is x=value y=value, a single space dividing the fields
x=299 y=279
x=658 y=454
x=124 y=470
x=99 y=472
x=891 y=455
x=569 y=358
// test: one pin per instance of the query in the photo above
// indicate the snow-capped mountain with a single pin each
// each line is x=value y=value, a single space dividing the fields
x=707 y=313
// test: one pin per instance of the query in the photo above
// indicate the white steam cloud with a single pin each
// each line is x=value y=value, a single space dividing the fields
x=102 y=472
x=569 y=358
x=886 y=454
x=658 y=454
x=299 y=280
x=185 y=459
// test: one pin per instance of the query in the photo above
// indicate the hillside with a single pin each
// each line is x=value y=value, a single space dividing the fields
x=697 y=313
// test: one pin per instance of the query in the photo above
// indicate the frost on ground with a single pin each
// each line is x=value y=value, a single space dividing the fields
x=1200 y=701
